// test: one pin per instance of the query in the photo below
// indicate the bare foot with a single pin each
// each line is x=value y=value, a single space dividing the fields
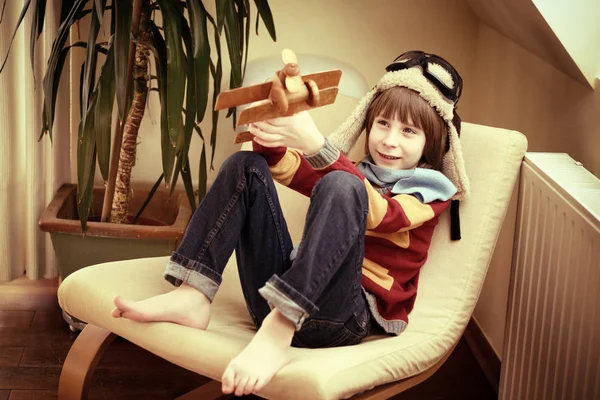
x=184 y=306
x=266 y=354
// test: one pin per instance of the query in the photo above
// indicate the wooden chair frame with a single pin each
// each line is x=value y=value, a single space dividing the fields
x=88 y=348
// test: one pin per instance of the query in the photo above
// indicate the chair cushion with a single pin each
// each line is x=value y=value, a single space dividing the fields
x=449 y=286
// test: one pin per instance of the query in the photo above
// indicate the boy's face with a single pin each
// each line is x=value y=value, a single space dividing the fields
x=395 y=144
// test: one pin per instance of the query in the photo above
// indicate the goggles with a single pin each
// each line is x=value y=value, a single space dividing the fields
x=437 y=70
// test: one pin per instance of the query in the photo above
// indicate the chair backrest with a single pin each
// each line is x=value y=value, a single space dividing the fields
x=451 y=279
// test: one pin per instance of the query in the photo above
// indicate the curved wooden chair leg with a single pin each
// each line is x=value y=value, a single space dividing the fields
x=81 y=362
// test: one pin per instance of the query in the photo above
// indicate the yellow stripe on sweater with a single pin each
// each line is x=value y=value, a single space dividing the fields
x=377 y=206
x=284 y=171
x=400 y=239
x=377 y=274
x=416 y=212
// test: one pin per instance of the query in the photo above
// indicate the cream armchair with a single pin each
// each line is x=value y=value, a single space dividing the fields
x=379 y=367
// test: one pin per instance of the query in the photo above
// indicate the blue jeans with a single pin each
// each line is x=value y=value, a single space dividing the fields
x=320 y=290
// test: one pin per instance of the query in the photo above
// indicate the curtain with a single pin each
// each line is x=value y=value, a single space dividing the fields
x=30 y=171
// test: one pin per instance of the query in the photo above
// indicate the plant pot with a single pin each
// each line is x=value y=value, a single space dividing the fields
x=103 y=241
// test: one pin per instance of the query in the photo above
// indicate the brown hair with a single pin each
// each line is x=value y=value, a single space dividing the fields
x=403 y=104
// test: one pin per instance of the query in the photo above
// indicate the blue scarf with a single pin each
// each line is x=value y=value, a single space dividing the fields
x=427 y=185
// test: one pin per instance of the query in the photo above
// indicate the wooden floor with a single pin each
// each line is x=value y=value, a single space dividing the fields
x=34 y=341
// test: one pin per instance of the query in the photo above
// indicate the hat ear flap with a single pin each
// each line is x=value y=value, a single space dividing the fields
x=453 y=166
x=456 y=121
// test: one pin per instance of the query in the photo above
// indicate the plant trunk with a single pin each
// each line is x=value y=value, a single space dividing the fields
x=120 y=205
x=116 y=147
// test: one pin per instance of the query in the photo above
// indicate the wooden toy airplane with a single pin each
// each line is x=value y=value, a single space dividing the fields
x=287 y=93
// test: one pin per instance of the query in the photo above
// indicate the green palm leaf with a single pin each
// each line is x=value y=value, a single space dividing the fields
x=84 y=195
x=246 y=43
x=186 y=177
x=221 y=6
x=148 y=198
x=190 y=97
x=175 y=67
x=86 y=162
x=232 y=34
x=202 y=175
x=103 y=111
x=51 y=78
x=86 y=145
x=39 y=14
x=122 y=13
x=202 y=172
x=21 y=16
x=176 y=174
x=99 y=8
x=61 y=62
x=89 y=71
x=265 y=13
x=159 y=50
x=217 y=74
x=201 y=54
x=65 y=8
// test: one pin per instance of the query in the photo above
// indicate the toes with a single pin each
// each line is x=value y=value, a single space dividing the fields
x=227 y=380
x=240 y=385
x=120 y=303
x=117 y=313
x=250 y=386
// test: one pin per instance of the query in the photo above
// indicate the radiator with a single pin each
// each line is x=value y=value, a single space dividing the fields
x=552 y=339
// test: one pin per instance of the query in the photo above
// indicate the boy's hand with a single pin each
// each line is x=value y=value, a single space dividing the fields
x=298 y=131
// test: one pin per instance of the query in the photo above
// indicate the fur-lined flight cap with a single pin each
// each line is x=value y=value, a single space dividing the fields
x=436 y=81
x=440 y=85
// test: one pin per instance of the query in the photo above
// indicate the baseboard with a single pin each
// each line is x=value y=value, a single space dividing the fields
x=484 y=353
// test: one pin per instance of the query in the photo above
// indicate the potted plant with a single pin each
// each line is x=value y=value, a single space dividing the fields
x=182 y=50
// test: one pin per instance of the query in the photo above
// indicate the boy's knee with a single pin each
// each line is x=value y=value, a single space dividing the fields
x=244 y=159
x=342 y=183
x=340 y=180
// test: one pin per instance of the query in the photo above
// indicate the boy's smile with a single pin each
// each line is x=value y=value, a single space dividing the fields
x=395 y=144
x=388 y=157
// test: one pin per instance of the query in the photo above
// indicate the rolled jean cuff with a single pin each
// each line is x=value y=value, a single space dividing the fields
x=293 y=305
x=182 y=269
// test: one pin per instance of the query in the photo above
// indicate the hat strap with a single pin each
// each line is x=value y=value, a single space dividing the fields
x=454 y=220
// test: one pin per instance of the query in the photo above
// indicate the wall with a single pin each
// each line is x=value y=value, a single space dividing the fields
x=522 y=22
x=517 y=90
x=583 y=43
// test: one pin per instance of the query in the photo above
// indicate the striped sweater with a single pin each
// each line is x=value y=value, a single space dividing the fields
x=398 y=233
